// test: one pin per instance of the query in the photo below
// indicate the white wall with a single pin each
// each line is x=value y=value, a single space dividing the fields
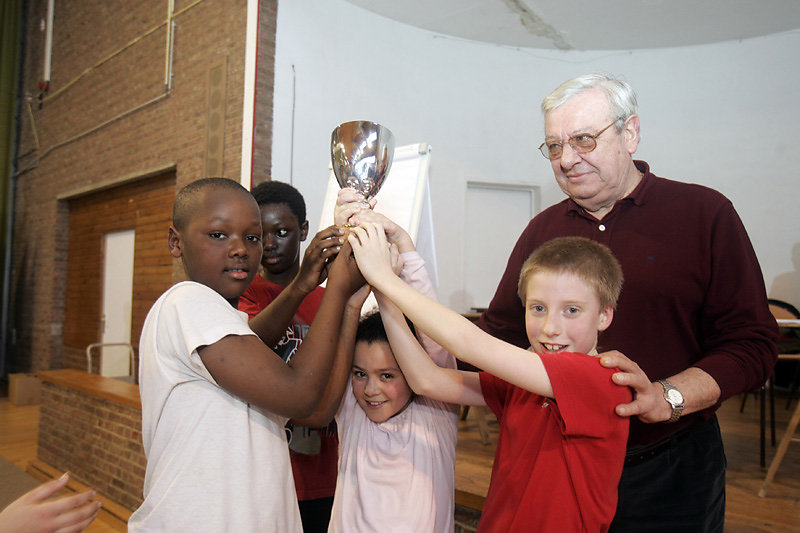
x=725 y=115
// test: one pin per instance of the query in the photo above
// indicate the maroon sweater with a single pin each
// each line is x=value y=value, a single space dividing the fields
x=693 y=293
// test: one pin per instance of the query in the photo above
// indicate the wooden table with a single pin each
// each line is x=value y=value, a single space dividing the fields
x=793 y=422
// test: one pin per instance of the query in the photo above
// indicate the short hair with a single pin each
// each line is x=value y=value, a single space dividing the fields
x=279 y=192
x=371 y=329
x=590 y=261
x=186 y=198
x=620 y=95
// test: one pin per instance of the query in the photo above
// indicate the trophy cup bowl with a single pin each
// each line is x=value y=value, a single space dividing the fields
x=361 y=155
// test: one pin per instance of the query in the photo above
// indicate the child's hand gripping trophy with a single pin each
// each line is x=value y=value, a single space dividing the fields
x=343 y=273
x=372 y=253
x=318 y=257
x=349 y=202
x=351 y=211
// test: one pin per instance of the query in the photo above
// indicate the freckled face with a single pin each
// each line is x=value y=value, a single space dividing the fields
x=378 y=384
x=563 y=314
x=221 y=243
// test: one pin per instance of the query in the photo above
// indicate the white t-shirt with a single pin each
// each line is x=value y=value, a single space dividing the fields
x=398 y=475
x=213 y=462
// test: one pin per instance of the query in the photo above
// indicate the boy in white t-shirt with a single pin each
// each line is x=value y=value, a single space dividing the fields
x=215 y=398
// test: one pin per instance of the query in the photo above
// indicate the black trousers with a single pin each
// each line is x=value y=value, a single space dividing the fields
x=681 y=488
x=315 y=514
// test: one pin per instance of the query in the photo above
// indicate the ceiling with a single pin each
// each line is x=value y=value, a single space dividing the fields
x=594 y=24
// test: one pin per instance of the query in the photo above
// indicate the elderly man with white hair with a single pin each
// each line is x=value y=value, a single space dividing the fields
x=692 y=328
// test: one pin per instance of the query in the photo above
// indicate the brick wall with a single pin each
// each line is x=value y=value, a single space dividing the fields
x=265 y=77
x=108 y=118
x=97 y=440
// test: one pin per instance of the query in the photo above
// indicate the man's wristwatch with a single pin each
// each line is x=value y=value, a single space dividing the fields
x=674 y=398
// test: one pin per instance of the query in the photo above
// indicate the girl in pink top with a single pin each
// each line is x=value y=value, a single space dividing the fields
x=397 y=450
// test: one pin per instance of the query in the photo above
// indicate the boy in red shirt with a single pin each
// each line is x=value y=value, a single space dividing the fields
x=561 y=445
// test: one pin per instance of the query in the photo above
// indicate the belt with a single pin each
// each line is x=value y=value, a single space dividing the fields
x=641 y=454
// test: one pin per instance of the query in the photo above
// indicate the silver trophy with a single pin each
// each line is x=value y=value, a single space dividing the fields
x=361 y=155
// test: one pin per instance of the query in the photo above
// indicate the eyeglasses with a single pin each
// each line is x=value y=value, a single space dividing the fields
x=581 y=143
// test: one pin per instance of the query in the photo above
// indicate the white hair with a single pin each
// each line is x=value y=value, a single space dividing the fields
x=620 y=95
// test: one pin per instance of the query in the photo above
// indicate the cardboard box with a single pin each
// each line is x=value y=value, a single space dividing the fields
x=24 y=389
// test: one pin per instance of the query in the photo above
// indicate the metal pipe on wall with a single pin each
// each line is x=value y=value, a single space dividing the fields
x=48 y=41
x=168 y=51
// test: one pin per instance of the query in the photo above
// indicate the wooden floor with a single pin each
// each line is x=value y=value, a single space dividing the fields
x=778 y=512
x=19 y=427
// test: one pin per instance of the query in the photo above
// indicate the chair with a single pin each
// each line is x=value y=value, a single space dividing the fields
x=788 y=350
x=481 y=413
x=787 y=438
x=788 y=342
x=761 y=394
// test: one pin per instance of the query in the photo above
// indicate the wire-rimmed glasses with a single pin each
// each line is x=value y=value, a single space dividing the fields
x=580 y=142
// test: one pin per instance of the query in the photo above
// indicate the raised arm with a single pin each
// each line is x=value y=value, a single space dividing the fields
x=271 y=322
x=422 y=374
x=342 y=365
x=244 y=366
x=454 y=332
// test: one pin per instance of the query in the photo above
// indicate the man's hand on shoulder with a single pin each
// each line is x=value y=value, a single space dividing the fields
x=648 y=397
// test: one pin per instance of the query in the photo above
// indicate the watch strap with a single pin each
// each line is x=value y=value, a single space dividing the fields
x=677 y=410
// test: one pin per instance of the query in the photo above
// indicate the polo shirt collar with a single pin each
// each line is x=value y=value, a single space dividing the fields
x=637 y=197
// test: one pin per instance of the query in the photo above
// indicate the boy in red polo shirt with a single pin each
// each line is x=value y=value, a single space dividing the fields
x=561 y=446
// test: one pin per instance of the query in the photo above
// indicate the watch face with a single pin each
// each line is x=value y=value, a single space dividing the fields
x=674 y=396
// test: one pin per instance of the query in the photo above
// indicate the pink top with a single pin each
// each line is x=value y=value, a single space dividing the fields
x=398 y=475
